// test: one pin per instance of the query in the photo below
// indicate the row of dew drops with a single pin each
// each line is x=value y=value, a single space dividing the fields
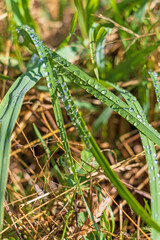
x=93 y=87
x=96 y=89
x=43 y=57
x=141 y=117
x=154 y=76
x=102 y=93
x=71 y=109
x=40 y=49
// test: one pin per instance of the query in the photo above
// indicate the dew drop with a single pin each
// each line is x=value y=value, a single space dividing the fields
x=155 y=74
x=131 y=109
x=96 y=95
x=149 y=152
x=136 y=124
x=120 y=111
x=64 y=99
x=153 y=178
x=138 y=116
x=97 y=86
x=20 y=39
x=90 y=90
x=104 y=92
x=78 y=72
x=156 y=215
x=129 y=117
x=67 y=107
x=91 y=81
x=68 y=64
x=46 y=73
x=49 y=85
x=72 y=118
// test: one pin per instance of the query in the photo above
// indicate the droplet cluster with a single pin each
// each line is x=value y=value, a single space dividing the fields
x=72 y=110
x=150 y=153
x=154 y=76
x=48 y=73
x=104 y=95
x=153 y=169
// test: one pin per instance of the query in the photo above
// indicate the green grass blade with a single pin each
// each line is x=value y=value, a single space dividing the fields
x=100 y=46
x=122 y=70
x=9 y=110
x=26 y=14
x=62 y=4
x=72 y=30
x=91 y=144
x=81 y=18
x=154 y=76
x=20 y=11
x=67 y=215
x=104 y=95
x=4 y=77
x=154 y=179
x=92 y=31
x=91 y=8
x=102 y=119
x=150 y=154
x=116 y=11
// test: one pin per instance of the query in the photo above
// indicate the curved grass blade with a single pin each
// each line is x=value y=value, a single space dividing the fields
x=4 y=77
x=72 y=30
x=81 y=18
x=50 y=77
x=104 y=95
x=20 y=11
x=92 y=145
x=91 y=7
x=92 y=31
x=100 y=46
x=9 y=110
x=151 y=157
x=154 y=76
